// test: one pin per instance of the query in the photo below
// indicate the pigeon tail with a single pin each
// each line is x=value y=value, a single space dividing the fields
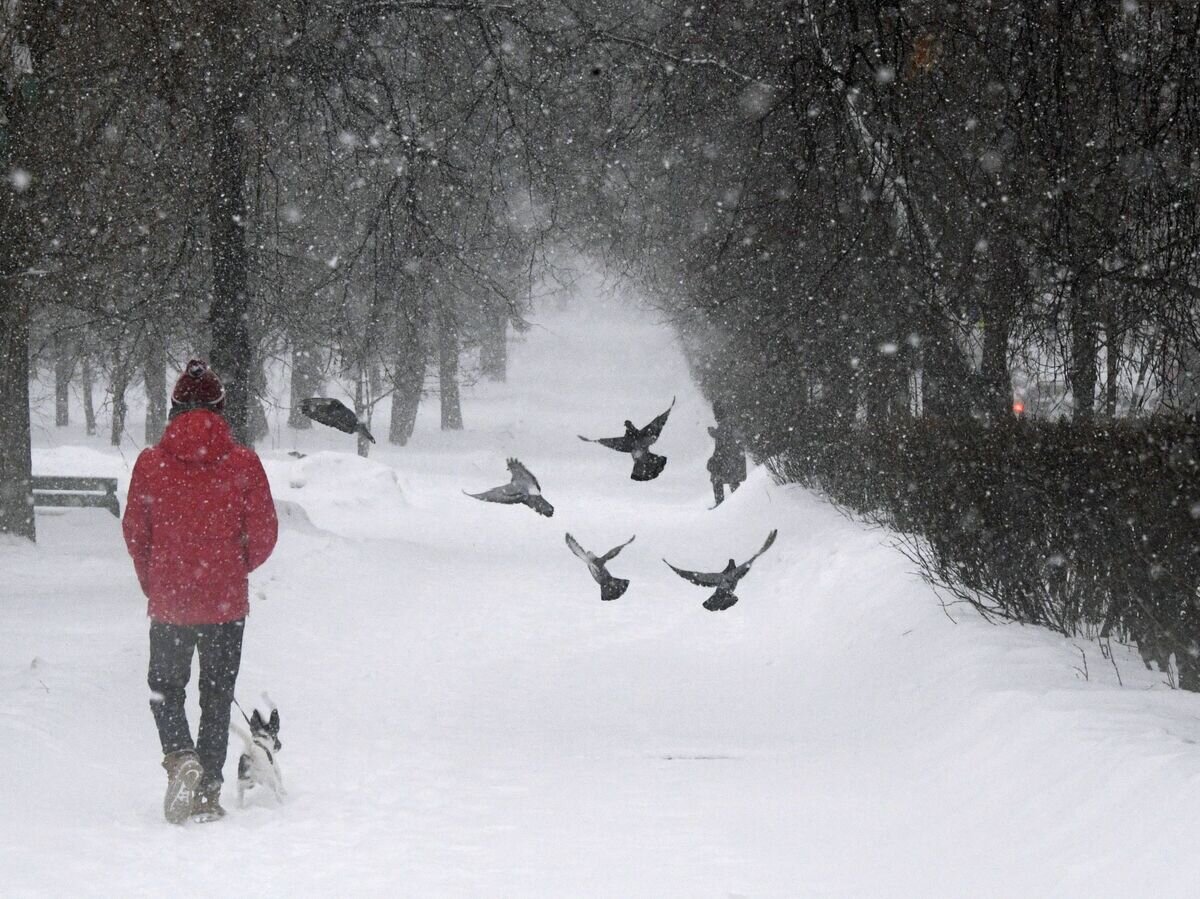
x=648 y=467
x=539 y=505
x=720 y=601
x=613 y=588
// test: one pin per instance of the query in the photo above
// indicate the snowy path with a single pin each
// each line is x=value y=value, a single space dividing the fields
x=463 y=717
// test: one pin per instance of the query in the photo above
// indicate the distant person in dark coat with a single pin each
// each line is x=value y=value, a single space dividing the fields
x=198 y=520
x=727 y=465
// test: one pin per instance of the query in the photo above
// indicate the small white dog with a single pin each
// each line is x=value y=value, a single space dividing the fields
x=258 y=764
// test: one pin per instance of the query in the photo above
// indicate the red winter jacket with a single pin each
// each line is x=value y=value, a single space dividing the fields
x=199 y=518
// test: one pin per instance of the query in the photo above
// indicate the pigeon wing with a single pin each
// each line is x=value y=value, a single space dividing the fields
x=620 y=444
x=700 y=579
x=612 y=553
x=329 y=412
x=505 y=494
x=745 y=566
x=651 y=432
x=344 y=416
x=522 y=478
x=579 y=550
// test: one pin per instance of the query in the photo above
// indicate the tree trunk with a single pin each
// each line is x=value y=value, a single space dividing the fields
x=493 y=352
x=839 y=395
x=64 y=367
x=1006 y=287
x=306 y=381
x=259 y=425
x=18 y=223
x=120 y=384
x=448 y=367
x=1112 y=362
x=886 y=392
x=946 y=379
x=997 y=380
x=1113 y=338
x=89 y=406
x=360 y=409
x=1082 y=373
x=374 y=381
x=232 y=357
x=408 y=378
x=154 y=372
x=16 y=464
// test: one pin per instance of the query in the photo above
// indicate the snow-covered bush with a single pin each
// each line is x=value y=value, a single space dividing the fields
x=1086 y=529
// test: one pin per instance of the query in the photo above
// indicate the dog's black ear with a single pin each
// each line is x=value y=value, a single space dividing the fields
x=256 y=721
x=274 y=725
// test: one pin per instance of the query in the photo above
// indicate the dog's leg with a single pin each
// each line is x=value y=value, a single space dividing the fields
x=244 y=763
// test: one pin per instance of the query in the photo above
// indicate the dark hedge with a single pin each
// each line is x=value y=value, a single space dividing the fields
x=1086 y=529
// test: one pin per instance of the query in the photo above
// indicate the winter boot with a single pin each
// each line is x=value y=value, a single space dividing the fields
x=206 y=806
x=183 y=776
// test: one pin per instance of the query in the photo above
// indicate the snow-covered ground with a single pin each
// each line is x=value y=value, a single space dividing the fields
x=462 y=716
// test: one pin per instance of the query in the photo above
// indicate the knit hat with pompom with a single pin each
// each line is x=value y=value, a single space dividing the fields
x=198 y=388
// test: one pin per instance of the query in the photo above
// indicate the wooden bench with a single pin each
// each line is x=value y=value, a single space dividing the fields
x=87 y=493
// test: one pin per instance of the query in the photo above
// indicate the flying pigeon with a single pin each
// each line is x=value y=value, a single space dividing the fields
x=724 y=580
x=523 y=488
x=333 y=413
x=637 y=441
x=610 y=587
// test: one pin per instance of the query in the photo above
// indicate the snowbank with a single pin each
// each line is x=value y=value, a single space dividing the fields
x=339 y=492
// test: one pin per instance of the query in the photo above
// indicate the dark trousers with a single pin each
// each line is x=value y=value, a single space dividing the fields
x=719 y=489
x=171 y=648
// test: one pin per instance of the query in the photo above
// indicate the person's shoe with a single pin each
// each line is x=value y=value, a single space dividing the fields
x=206 y=805
x=183 y=777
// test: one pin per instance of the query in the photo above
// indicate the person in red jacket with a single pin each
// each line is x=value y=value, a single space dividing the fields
x=199 y=518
